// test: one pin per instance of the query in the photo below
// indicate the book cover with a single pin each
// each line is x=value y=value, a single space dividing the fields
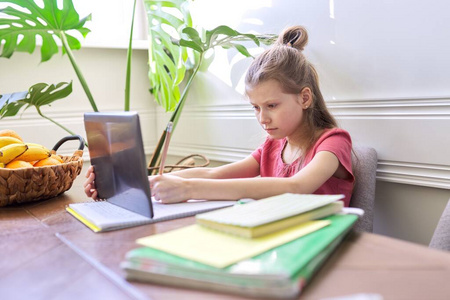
x=261 y=230
x=280 y=272
x=268 y=210
x=219 y=249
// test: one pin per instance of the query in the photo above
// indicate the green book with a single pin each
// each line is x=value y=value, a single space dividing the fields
x=278 y=273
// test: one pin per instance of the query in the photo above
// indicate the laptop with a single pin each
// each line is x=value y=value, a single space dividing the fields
x=117 y=153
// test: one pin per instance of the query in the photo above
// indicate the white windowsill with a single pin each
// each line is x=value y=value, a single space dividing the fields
x=137 y=44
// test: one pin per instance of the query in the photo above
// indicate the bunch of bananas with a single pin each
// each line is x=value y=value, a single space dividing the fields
x=14 y=153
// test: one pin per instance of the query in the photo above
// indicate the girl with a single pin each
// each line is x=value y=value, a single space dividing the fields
x=304 y=152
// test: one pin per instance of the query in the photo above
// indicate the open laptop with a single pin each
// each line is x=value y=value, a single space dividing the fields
x=117 y=154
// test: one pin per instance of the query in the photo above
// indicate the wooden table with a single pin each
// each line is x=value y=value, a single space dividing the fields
x=45 y=253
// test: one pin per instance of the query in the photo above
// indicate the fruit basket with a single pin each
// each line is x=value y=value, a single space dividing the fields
x=38 y=183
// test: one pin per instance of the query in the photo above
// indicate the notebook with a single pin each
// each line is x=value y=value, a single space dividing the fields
x=217 y=249
x=278 y=273
x=117 y=154
x=268 y=228
x=269 y=209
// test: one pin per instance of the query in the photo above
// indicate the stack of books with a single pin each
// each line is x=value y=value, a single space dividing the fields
x=266 y=248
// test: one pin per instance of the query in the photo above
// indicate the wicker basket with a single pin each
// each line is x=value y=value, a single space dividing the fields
x=39 y=183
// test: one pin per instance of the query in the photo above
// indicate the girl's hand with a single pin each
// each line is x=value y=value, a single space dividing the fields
x=89 y=184
x=169 y=189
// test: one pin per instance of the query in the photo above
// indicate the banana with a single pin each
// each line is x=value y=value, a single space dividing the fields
x=10 y=152
x=7 y=140
x=34 y=152
x=36 y=145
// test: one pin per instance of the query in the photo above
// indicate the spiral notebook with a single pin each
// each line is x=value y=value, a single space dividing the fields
x=104 y=216
x=117 y=154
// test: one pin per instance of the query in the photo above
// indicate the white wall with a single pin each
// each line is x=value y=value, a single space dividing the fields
x=384 y=73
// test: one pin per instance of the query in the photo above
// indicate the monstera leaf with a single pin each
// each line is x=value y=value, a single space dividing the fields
x=19 y=30
x=38 y=95
x=167 y=61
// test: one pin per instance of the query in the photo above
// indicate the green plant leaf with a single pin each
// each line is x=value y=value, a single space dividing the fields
x=167 y=60
x=194 y=36
x=211 y=35
x=191 y=44
x=38 y=95
x=242 y=50
x=10 y=105
x=19 y=32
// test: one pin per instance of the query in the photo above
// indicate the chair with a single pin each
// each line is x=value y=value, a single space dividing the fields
x=364 y=161
x=441 y=236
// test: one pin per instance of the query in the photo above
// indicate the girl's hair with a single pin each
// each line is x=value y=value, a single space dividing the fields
x=285 y=63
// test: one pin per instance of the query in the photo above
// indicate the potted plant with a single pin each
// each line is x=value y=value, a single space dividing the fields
x=174 y=57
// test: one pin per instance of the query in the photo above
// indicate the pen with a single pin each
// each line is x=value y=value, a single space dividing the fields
x=166 y=147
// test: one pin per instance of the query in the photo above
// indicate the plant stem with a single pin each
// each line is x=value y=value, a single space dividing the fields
x=177 y=113
x=56 y=123
x=78 y=71
x=130 y=50
x=156 y=157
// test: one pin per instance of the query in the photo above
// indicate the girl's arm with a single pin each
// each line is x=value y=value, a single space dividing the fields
x=170 y=189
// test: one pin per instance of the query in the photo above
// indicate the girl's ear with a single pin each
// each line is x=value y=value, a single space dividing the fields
x=306 y=97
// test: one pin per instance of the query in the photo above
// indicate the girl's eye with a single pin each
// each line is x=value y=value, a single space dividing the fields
x=255 y=107
x=271 y=105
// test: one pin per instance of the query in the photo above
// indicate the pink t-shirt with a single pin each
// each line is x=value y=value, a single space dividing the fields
x=336 y=140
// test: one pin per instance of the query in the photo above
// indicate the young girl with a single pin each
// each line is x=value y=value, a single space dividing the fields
x=304 y=152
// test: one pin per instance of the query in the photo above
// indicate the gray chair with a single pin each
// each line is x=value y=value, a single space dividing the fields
x=364 y=160
x=441 y=236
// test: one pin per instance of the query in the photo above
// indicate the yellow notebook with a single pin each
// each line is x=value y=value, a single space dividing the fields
x=258 y=231
x=219 y=249
x=271 y=214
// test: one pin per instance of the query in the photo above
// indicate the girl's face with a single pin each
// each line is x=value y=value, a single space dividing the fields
x=279 y=114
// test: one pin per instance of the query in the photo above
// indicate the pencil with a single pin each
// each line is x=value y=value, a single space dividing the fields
x=166 y=147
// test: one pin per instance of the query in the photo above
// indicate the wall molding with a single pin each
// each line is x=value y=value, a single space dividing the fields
x=435 y=176
x=427 y=107
x=221 y=154
x=393 y=108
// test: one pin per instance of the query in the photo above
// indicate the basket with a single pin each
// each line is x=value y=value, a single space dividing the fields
x=39 y=183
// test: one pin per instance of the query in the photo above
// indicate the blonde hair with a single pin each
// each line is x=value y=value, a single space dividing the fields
x=285 y=63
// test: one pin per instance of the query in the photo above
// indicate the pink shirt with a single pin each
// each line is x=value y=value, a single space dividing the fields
x=336 y=141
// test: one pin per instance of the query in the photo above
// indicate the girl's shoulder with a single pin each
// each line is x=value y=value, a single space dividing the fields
x=334 y=132
x=333 y=139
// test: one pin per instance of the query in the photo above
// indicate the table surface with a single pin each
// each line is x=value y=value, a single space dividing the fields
x=45 y=253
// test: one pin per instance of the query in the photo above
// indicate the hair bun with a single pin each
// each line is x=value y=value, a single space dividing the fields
x=295 y=36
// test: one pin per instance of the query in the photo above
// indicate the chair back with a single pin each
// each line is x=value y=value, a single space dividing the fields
x=364 y=161
x=441 y=236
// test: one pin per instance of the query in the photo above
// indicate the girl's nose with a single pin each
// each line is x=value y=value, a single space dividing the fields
x=264 y=118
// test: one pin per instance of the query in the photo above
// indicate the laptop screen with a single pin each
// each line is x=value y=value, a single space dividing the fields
x=117 y=154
